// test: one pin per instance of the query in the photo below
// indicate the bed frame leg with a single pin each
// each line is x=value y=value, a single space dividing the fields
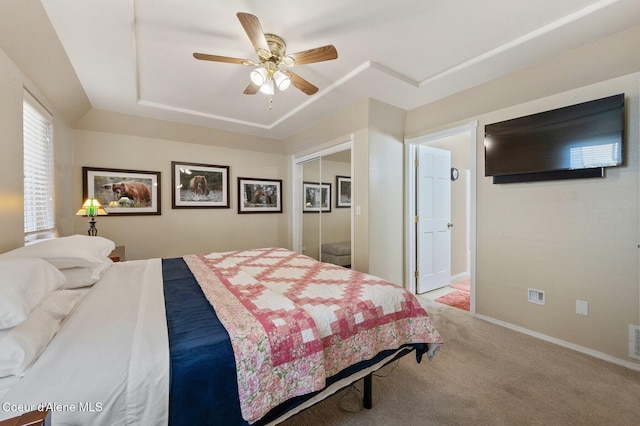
x=368 y=390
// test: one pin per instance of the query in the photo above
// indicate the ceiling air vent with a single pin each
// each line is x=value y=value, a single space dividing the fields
x=536 y=296
x=634 y=341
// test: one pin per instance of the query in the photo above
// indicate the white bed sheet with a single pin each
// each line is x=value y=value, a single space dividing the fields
x=92 y=374
x=7 y=383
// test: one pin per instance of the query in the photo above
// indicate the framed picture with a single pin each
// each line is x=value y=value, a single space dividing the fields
x=343 y=191
x=259 y=195
x=130 y=192
x=316 y=197
x=198 y=186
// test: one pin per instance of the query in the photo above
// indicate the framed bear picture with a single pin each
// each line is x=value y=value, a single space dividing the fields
x=197 y=186
x=316 y=197
x=259 y=195
x=123 y=192
x=343 y=191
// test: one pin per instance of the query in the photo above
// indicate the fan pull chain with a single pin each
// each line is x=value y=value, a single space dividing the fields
x=270 y=103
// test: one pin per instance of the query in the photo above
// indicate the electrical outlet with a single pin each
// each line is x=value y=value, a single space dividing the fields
x=536 y=296
x=582 y=307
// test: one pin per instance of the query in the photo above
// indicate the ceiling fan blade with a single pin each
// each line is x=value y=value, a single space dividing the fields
x=252 y=27
x=216 y=58
x=319 y=54
x=302 y=84
x=251 y=89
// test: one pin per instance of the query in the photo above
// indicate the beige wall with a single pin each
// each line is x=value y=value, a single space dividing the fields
x=65 y=203
x=178 y=232
x=12 y=82
x=574 y=239
x=28 y=38
x=386 y=235
x=577 y=239
x=360 y=201
x=328 y=132
x=386 y=198
x=113 y=122
x=11 y=190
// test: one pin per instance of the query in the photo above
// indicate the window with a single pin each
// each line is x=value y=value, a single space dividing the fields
x=39 y=214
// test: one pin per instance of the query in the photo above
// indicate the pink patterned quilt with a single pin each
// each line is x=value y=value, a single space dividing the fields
x=294 y=321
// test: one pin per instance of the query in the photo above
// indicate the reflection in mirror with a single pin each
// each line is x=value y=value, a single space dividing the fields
x=326 y=218
x=335 y=227
x=310 y=219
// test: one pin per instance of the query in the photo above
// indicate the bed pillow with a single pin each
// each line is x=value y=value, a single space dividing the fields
x=24 y=284
x=68 y=252
x=21 y=345
x=84 y=277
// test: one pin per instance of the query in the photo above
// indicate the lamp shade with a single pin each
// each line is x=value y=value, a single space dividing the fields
x=267 y=87
x=259 y=76
x=91 y=207
x=282 y=80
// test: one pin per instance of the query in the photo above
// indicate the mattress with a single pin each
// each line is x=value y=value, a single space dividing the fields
x=109 y=363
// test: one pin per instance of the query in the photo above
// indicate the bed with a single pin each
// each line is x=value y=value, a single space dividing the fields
x=143 y=343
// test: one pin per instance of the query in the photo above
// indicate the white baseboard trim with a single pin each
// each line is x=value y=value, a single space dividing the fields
x=577 y=348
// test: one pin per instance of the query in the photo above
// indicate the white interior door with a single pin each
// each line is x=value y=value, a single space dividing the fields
x=433 y=202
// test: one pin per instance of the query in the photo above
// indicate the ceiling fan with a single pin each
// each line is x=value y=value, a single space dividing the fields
x=272 y=69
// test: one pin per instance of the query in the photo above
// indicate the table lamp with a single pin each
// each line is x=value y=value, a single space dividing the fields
x=92 y=208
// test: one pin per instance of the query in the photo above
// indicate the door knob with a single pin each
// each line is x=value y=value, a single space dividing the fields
x=449 y=225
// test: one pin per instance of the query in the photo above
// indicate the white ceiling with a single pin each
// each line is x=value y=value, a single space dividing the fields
x=135 y=56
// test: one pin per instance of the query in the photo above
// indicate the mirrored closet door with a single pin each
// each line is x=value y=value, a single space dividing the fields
x=326 y=207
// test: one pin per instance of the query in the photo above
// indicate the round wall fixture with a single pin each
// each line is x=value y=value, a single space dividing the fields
x=454 y=173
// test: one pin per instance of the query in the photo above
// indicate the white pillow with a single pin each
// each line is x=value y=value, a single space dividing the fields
x=21 y=345
x=24 y=283
x=68 y=252
x=83 y=277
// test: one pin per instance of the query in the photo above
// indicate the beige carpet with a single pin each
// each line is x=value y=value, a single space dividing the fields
x=488 y=375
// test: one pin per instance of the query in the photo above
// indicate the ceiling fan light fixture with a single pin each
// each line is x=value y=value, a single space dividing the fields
x=282 y=80
x=259 y=76
x=267 y=87
x=270 y=72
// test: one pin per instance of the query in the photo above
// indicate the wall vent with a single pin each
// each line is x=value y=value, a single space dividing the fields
x=634 y=341
x=536 y=296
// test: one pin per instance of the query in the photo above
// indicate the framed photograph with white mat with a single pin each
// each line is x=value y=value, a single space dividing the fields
x=316 y=197
x=123 y=192
x=259 y=195
x=343 y=191
x=199 y=186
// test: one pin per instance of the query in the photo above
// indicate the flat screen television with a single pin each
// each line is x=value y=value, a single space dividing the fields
x=577 y=141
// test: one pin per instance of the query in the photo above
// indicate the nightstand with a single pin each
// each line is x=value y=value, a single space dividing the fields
x=117 y=255
x=32 y=418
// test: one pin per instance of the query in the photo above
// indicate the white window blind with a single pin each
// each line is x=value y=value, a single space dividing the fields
x=39 y=215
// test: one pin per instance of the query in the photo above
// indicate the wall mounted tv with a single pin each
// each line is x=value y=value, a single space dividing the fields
x=577 y=141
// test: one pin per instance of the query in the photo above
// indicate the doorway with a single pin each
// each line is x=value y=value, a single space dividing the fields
x=461 y=142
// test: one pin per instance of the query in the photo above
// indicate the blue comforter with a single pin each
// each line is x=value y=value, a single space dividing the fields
x=201 y=354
